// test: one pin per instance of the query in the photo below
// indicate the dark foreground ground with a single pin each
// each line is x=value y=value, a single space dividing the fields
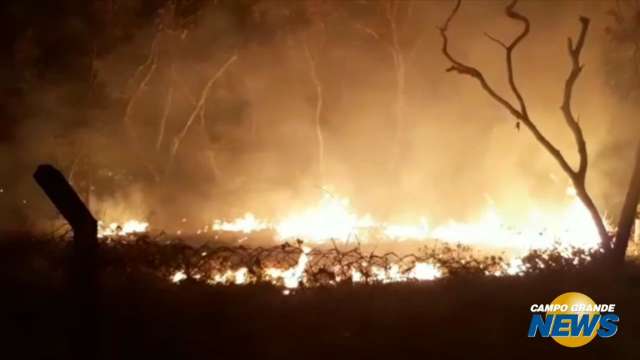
x=145 y=317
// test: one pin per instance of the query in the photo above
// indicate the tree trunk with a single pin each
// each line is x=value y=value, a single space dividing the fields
x=521 y=115
x=399 y=67
x=197 y=110
x=163 y=120
x=587 y=201
x=400 y=72
x=317 y=117
x=628 y=213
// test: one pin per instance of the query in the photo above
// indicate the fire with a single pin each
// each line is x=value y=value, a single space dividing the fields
x=238 y=277
x=246 y=224
x=569 y=226
x=514 y=267
x=332 y=218
x=178 y=276
x=405 y=231
x=292 y=277
x=425 y=271
x=420 y=271
x=115 y=229
x=295 y=276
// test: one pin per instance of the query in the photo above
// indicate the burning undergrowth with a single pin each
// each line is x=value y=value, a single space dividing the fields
x=294 y=265
x=329 y=243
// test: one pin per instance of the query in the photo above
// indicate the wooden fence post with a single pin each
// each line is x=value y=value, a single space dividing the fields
x=84 y=260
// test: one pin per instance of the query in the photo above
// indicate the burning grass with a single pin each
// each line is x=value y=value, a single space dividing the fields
x=342 y=245
x=294 y=265
x=333 y=219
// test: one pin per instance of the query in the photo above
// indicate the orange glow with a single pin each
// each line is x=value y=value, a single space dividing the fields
x=116 y=229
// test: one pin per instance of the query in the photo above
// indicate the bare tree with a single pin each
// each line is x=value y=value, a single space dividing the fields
x=163 y=119
x=314 y=41
x=401 y=42
x=197 y=109
x=519 y=110
x=391 y=9
x=168 y=29
x=629 y=211
x=139 y=81
x=625 y=35
x=317 y=114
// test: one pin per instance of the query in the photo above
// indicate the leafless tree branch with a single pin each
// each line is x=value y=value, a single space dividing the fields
x=319 y=104
x=511 y=13
x=461 y=68
x=165 y=115
x=576 y=69
x=197 y=109
x=496 y=40
x=578 y=177
x=150 y=65
x=367 y=31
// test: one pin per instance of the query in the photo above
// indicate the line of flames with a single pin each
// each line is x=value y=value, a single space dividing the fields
x=333 y=219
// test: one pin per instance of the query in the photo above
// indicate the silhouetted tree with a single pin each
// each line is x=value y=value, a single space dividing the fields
x=625 y=59
x=520 y=112
x=391 y=26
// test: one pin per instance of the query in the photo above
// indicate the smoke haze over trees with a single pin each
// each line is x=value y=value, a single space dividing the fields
x=115 y=94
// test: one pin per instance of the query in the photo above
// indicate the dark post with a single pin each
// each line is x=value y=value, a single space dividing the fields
x=84 y=266
x=628 y=213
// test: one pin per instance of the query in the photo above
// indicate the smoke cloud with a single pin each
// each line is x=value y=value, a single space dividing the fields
x=110 y=118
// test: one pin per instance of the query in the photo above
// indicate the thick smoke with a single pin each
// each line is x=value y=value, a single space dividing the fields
x=253 y=146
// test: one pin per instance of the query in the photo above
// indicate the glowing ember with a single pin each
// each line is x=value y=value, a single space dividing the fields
x=356 y=276
x=425 y=271
x=178 y=276
x=420 y=271
x=515 y=267
x=238 y=277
